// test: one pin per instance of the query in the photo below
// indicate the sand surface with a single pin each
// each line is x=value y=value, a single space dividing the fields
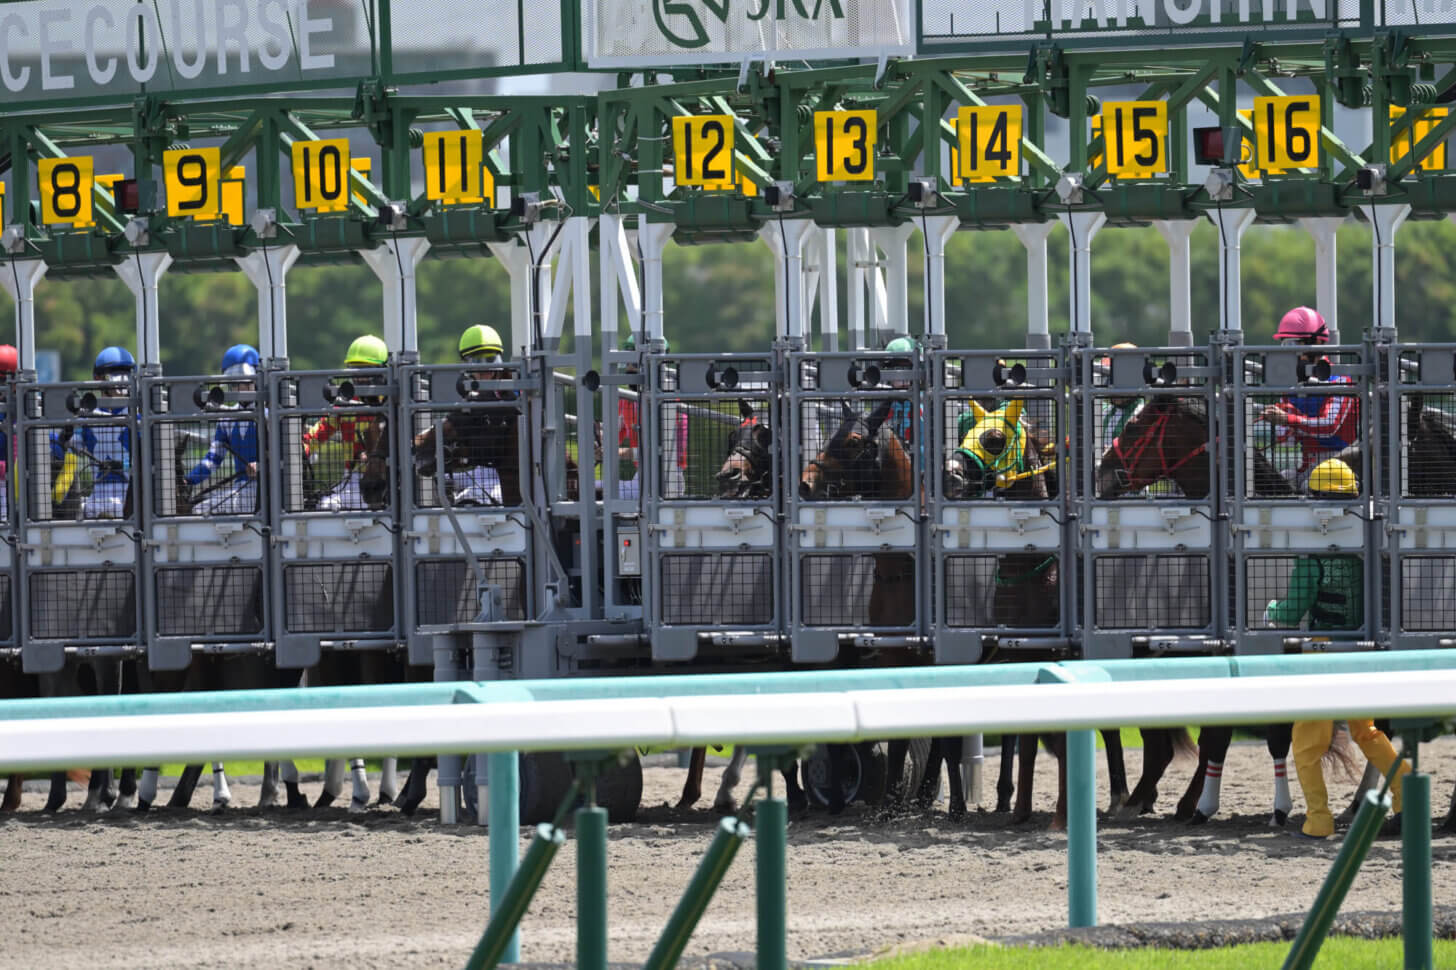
x=186 y=888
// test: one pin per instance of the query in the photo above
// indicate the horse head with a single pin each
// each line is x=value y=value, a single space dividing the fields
x=747 y=470
x=846 y=466
x=1166 y=438
x=991 y=452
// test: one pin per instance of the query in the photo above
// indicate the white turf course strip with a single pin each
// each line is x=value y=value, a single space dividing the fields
x=52 y=743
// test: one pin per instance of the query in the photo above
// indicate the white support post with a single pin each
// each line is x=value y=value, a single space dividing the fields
x=20 y=279
x=937 y=230
x=788 y=249
x=516 y=257
x=1178 y=234
x=1231 y=225
x=1385 y=222
x=1033 y=236
x=141 y=272
x=861 y=259
x=1082 y=227
x=652 y=238
x=829 y=291
x=395 y=262
x=617 y=276
x=813 y=252
x=892 y=243
x=267 y=267
x=1325 y=267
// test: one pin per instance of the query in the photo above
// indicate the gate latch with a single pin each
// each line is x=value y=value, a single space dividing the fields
x=1171 y=515
x=356 y=526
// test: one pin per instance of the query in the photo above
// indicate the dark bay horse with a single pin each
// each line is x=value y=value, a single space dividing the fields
x=1001 y=454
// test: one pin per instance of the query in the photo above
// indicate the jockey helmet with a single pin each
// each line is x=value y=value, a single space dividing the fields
x=482 y=343
x=1303 y=324
x=9 y=359
x=113 y=363
x=1333 y=477
x=631 y=344
x=900 y=345
x=367 y=351
x=239 y=360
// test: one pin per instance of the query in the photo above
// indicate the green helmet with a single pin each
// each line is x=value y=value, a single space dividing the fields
x=367 y=351
x=900 y=345
x=481 y=340
x=631 y=343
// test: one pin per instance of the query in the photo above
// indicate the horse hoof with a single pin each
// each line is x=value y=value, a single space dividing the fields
x=125 y=803
x=958 y=813
x=358 y=807
x=1278 y=819
x=1020 y=818
x=1003 y=805
x=684 y=804
x=1450 y=824
x=220 y=805
x=385 y=799
x=1198 y=818
x=726 y=807
x=324 y=801
x=408 y=806
x=142 y=807
x=297 y=802
x=1057 y=825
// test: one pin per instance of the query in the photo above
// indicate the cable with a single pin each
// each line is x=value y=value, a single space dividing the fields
x=1072 y=273
x=19 y=343
x=1223 y=258
x=784 y=243
x=1379 y=263
x=929 y=301
x=394 y=233
x=142 y=285
x=272 y=306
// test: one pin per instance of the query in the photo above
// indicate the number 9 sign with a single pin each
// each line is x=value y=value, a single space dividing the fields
x=192 y=175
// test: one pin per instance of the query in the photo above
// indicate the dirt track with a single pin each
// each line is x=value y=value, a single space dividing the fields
x=188 y=889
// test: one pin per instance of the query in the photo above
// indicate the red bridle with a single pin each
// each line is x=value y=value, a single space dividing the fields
x=1157 y=435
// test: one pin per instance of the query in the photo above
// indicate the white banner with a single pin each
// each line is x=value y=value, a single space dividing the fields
x=647 y=33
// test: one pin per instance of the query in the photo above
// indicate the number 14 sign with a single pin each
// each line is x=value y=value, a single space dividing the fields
x=988 y=142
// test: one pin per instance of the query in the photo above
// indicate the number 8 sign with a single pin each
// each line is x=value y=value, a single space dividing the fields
x=321 y=174
x=65 y=190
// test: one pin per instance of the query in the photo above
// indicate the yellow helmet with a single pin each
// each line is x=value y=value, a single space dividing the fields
x=1333 y=477
x=367 y=351
x=480 y=340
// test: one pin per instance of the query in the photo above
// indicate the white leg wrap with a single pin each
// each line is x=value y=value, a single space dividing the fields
x=1282 y=801
x=731 y=776
x=268 y=794
x=1212 y=782
x=359 y=802
x=288 y=771
x=334 y=777
x=221 y=795
x=147 y=787
x=389 y=778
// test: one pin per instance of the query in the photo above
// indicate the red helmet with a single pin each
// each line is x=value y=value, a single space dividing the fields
x=9 y=359
x=1305 y=324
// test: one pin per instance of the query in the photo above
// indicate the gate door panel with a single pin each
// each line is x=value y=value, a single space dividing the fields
x=335 y=509
x=78 y=543
x=464 y=432
x=9 y=517
x=997 y=473
x=856 y=451
x=712 y=483
x=205 y=519
x=1150 y=549
x=1422 y=420
x=1307 y=570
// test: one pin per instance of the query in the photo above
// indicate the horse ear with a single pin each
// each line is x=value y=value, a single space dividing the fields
x=846 y=410
x=1013 y=411
x=978 y=411
x=745 y=410
x=878 y=416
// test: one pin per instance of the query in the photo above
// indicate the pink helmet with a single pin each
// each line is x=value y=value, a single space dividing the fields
x=1302 y=323
x=9 y=359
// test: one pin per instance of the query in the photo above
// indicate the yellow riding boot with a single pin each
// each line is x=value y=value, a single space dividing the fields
x=1380 y=752
x=1310 y=741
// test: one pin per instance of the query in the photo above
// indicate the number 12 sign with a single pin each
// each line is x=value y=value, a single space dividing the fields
x=703 y=150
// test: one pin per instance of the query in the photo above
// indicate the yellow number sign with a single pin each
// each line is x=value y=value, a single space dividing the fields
x=321 y=174
x=65 y=190
x=844 y=145
x=454 y=161
x=988 y=141
x=702 y=148
x=1401 y=145
x=1136 y=136
x=230 y=195
x=1286 y=131
x=191 y=176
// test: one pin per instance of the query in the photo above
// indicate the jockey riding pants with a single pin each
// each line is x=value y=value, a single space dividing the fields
x=1311 y=741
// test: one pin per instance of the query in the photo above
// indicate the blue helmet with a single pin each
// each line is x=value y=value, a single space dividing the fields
x=113 y=361
x=239 y=360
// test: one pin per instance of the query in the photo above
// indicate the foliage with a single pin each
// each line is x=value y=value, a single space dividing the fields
x=720 y=297
x=1339 y=952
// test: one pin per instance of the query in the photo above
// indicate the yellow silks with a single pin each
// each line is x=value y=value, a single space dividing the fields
x=65 y=478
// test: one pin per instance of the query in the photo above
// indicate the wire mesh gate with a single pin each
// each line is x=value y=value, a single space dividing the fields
x=8 y=517
x=713 y=477
x=79 y=521
x=335 y=507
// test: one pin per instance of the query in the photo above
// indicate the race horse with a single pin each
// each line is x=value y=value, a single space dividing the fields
x=1000 y=454
x=1166 y=440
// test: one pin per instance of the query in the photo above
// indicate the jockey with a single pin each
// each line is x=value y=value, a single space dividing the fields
x=366 y=351
x=1330 y=590
x=481 y=345
x=236 y=439
x=902 y=413
x=629 y=444
x=1119 y=409
x=9 y=364
x=107 y=448
x=1322 y=424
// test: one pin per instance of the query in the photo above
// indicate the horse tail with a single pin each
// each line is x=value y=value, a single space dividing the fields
x=1340 y=755
x=1183 y=745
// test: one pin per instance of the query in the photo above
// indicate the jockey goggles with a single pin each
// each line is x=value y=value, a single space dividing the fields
x=483 y=357
x=240 y=370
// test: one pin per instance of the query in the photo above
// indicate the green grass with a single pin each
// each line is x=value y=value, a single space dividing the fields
x=1339 y=953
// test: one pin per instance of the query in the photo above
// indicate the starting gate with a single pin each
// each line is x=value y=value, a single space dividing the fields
x=205 y=522
x=1151 y=547
x=855 y=457
x=79 y=530
x=1000 y=503
x=334 y=509
x=8 y=515
x=712 y=480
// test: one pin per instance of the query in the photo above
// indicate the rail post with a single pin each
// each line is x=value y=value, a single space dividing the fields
x=591 y=865
x=705 y=882
x=501 y=933
x=1417 y=919
x=1081 y=805
x=771 y=828
x=504 y=793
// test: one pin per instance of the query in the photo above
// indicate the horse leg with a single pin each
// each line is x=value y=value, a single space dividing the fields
x=388 y=781
x=359 y=800
x=930 y=778
x=724 y=803
x=268 y=794
x=186 y=787
x=1450 y=824
x=1004 y=786
x=793 y=794
x=1200 y=802
x=127 y=796
x=222 y=796
x=416 y=785
x=1279 y=740
x=693 y=784
x=953 y=748
x=12 y=793
x=57 y=796
x=836 y=754
x=333 y=782
x=1157 y=755
x=1116 y=768
x=895 y=768
x=1058 y=746
x=97 y=790
x=1026 y=746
